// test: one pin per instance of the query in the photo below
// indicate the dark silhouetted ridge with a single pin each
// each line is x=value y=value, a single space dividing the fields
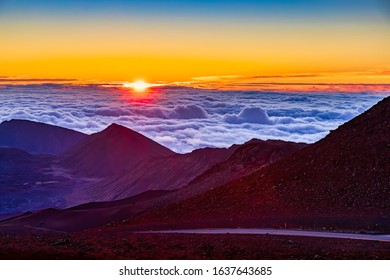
x=37 y=138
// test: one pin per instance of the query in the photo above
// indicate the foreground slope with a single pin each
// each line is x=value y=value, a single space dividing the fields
x=113 y=244
x=341 y=181
x=37 y=138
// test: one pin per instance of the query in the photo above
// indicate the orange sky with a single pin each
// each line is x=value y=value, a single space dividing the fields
x=179 y=49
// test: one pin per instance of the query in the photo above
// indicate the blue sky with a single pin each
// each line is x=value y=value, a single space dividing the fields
x=210 y=7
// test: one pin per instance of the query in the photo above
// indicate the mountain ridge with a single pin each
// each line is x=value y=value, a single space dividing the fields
x=38 y=138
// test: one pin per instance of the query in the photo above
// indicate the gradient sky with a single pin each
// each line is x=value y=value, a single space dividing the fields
x=177 y=41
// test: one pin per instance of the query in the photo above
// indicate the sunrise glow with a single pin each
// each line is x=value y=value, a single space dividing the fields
x=308 y=42
x=139 y=85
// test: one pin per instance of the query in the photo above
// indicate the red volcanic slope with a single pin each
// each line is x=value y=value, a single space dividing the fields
x=37 y=138
x=164 y=173
x=247 y=158
x=344 y=176
x=111 y=151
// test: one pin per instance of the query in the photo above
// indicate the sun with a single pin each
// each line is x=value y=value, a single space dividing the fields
x=139 y=85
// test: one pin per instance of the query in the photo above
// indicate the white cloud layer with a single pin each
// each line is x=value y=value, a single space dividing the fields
x=248 y=115
x=185 y=119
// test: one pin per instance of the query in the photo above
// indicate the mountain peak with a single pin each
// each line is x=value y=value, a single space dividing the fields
x=115 y=126
x=113 y=150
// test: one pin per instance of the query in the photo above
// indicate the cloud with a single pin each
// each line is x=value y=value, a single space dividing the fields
x=296 y=82
x=188 y=112
x=5 y=79
x=178 y=112
x=112 y=112
x=184 y=119
x=304 y=129
x=152 y=112
x=248 y=115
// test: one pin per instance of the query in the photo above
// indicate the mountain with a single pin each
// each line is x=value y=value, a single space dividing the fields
x=126 y=163
x=247 y=158
x=342 y=181
x=162 y=173
x=37 y=138
x=113 y=150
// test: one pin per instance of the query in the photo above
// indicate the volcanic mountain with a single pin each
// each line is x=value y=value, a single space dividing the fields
x=37 y=138
x=161 y=174
x=247 y=158
x=342 y=181
x=113 y=150
x=114 y=164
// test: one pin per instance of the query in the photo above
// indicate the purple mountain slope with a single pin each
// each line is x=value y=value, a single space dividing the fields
x=37 y=138
x=113 y=150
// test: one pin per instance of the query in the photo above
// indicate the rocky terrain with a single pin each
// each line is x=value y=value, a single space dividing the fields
x=125 y=245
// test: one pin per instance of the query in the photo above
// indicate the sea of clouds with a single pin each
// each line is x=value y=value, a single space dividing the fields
x=185 y=119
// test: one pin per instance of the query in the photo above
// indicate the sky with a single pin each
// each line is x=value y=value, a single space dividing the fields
x=196 y=43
